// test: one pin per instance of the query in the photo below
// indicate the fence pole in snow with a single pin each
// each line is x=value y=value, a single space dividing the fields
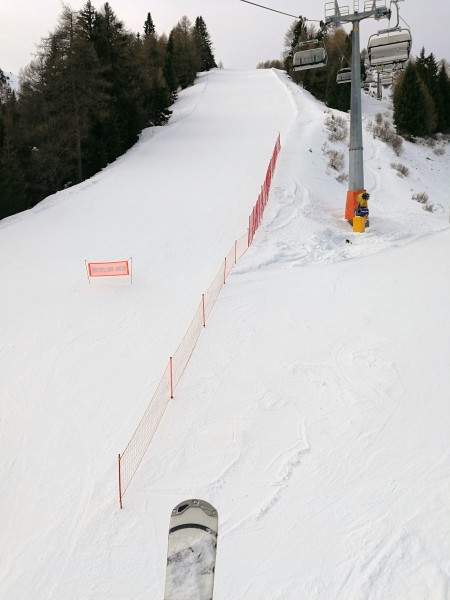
x=225 y=271
x=87 y=271
x=203 y=310
x=120 y=485
x=171 y=377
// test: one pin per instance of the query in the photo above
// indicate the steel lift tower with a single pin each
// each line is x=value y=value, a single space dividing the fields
x=335 y=15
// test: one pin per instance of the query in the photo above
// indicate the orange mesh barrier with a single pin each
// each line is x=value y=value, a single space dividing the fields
x=133 y=454
x=213 y=291
x=241 y=246
x=183 y=353
x=137 y=446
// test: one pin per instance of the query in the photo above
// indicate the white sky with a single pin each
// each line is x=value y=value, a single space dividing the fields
x=242 y=35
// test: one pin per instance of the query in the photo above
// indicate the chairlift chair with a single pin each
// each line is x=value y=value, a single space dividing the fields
x=389 y=47
x=310 y=55
x=386 y=79
x=368 y=81
x=344 y=75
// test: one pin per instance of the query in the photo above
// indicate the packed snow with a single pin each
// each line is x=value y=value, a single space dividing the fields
x=314 y=413
x=12 y=80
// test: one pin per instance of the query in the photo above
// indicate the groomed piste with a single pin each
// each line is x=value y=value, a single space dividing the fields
x=313 y=413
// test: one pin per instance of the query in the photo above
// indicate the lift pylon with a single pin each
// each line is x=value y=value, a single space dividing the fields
x=335 y=15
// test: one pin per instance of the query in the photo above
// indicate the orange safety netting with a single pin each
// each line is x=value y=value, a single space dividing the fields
x=133 y=454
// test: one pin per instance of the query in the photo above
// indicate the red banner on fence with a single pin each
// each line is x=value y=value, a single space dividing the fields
x=108 y=269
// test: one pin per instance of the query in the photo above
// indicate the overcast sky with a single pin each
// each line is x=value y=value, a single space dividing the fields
x=242 y=35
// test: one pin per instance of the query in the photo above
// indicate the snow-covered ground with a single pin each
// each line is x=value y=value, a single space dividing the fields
x=12 y=80
x=314 y=414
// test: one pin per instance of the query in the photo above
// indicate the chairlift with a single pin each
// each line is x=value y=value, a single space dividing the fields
x=344 y=75
x=310 y=55
x=398 y=67
x=391 y=46
x=386 y=79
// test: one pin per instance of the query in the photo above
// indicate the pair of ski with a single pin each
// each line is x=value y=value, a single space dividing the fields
x=191 y=553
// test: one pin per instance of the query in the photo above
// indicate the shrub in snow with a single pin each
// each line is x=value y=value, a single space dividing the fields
x=386 y=132
x=422 y=198
x=335 y=159
x=396 y=144
x=342 y=177
x=402 y=171
x=337 y=128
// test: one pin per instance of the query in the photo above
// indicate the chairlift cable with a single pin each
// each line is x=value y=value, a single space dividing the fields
x=272 y=9
x=343 y=57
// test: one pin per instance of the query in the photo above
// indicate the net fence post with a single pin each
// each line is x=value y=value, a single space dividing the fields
x=87 y=271
x=203 y=310
x=120 y=483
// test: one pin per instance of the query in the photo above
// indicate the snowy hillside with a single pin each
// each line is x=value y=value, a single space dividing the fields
x=12 y=80
x=314 y=412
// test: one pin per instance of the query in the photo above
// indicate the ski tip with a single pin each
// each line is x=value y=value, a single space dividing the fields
x=195 y=503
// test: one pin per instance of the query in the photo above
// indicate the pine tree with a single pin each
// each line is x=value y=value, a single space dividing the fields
x=427 y=69
x=444 y=91
x=13 y=197
x=414 y=111
x=186 y=63
x=115 y=49
x=203 y=45
x=156 y=95
x=87 y=18
x=63 y=94
x=339 y=49
x=169 y=66
x=149 y=28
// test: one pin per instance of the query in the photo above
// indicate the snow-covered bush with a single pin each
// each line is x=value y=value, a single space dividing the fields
x=422 y=198
x=337 y=128
x=335 y=159
x=402 y=171
x=385 y=131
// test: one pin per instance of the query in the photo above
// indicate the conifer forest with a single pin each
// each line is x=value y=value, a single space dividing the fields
x=83 y=101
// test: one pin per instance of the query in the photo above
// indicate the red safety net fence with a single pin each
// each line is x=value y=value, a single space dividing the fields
x=256 y=217
x=131 y=457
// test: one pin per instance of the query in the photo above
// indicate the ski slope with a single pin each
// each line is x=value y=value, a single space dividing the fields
x=314 y=413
